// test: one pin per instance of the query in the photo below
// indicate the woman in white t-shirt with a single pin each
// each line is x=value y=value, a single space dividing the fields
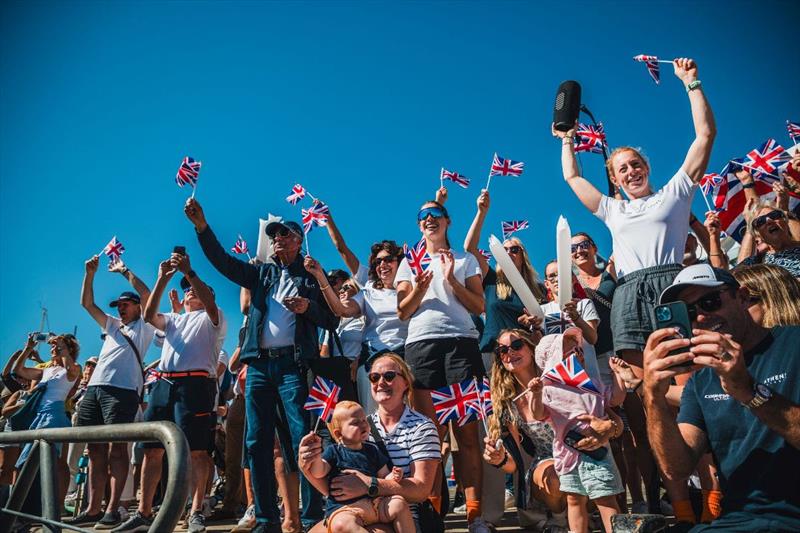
x=442 y=344
x=579 y=313
x=649 y=229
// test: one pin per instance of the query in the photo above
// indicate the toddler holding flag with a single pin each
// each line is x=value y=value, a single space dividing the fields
x=350 y=429
x=574 y=396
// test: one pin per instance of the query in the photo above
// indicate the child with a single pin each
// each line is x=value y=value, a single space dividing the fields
x=582 y=477
x=350 y=429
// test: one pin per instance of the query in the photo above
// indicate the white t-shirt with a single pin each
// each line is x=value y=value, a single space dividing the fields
x=222 y=359
x=351 y=333
x=586 y=309
x=440 y=314
x=362 y=275
x=117 y=364
x=649 y=231
x=58 y=385
x=279 y=323
x=192 y=342
x=383 y=330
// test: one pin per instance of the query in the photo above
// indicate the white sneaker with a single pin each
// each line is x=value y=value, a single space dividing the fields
x=247 y=522
x=461 y=509
x=123 y=513
x=639 y=507
x=511 y=500
x=479 y=525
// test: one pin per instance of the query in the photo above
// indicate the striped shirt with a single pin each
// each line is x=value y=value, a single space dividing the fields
x=414 y=438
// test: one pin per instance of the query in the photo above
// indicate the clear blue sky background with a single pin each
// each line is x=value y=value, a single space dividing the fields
x=361 y=102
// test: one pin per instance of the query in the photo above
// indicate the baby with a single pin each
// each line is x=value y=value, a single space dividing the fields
x=350 y=429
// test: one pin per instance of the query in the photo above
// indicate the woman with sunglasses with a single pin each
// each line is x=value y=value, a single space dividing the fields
x=649 y=229
x=409 y=436
x=771 y=225
x=442 y=348
x=503 y=306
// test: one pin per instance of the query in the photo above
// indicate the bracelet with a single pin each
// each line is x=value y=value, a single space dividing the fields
x=693 y=85
x=325 y=287
x=716 y=255
x=616 y=427
x=748 y=185
x=125 y=271
x=502 y=463
x=567 y=140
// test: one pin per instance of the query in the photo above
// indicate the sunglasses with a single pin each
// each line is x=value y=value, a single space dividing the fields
x=514 y=249
x=502 y=349
x=385 y=259
x=708 y=303
x=435 y=212
x=552 y=277
x=387 y=376
x=346 y=288
x=583 y=245
x=772 y=215
x=282 y=232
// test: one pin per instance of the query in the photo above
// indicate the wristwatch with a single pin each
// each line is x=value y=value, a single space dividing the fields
x=761 y=395
x=372 y=491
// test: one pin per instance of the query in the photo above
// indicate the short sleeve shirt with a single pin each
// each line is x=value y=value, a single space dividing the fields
x=117 y=364
x=650 y=231
x=368 y=460
x=788 y=259
x=383 y=329
x=191 y=342
x=585 y=307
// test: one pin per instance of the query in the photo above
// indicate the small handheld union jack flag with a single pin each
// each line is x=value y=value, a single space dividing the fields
x=556 y=323
x=765 y=161
x=322 y=398
x=506 y=167
x=455 y=177
x=459 y=402
x=316 y=214
x=114 y=249
x=241 y=247
x=298 y=193
x=485 y=253
x=417 y=256
x=652 y=65
x=570 y=373
x=485 y=394
x=188 y=172
x=794 y=130
x=512 y=226
x=710 y=182
x=590 y=138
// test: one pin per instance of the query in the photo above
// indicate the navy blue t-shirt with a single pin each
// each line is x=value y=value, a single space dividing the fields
x=759 y=472
x=368 y=460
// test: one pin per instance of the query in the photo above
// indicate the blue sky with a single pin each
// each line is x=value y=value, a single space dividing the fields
x=361 y=102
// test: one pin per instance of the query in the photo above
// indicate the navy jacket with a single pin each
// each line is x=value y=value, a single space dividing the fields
x=259 y=280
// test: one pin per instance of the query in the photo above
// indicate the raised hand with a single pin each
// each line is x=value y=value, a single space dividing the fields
x=181 y=262
x=536 y=386
x=422 y=281
x=571 y=310
x=483 y=201
x=194 y=212
x=117 y=266
x=685 y=69
x=448 y=264
x=712 y=223
x=660 y=367
x=166 y=269
x=175 y=302
x=441 y=195
x=563 y=134
x=312 y=266
x=92 y=264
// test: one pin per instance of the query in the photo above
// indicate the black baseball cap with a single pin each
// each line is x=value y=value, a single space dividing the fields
x=126 y=296
x=291 y=225
x=185 y=285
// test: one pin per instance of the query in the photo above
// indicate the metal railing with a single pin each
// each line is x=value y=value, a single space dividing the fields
x=42 y=459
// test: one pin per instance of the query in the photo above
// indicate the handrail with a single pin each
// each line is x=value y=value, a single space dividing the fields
x=167 y=433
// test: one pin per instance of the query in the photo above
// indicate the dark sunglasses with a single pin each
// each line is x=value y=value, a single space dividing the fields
x=435 y=212
x=385 y=259
x=708 y=303
x=514 y=249
x=772 y=215
x=583 y=245
x=502 y=349
x=282 y=232
x=387 y=376
x=346 y=288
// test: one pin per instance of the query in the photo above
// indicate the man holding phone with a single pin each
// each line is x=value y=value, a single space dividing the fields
x=743 y=404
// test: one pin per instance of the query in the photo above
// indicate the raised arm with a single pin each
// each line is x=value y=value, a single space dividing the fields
x=716 y=255
x=701 y=232
x=337 y=239
x=705 y=129
x=151 y=315
x=138 y=285
x=748 y=244
x=181 y=262
x=87 y=292
x=339 y=308
x=583 y=189
x=31 y=374
x=474 y=234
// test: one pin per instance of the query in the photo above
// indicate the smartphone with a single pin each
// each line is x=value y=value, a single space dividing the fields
x=573 y=437
x=41 y=337
x=179 y=250
x=675 y=315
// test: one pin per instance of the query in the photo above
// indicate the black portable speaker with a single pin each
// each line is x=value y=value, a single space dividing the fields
x=567 y=106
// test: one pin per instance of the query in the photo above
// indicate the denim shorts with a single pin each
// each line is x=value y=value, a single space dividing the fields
x=593 y=478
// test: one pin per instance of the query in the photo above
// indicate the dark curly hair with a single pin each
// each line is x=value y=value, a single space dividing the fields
x=389 y=247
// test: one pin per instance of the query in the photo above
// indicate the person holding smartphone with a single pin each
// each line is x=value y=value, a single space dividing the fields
x=742 y=405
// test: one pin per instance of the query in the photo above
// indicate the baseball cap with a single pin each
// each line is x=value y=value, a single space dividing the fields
x=126 y=296
x=291 y=225
x=702 y=275
x=185 y=285
x=92 y=361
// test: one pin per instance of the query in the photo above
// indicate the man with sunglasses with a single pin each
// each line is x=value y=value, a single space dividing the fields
x=743 y=404
x=279 y=345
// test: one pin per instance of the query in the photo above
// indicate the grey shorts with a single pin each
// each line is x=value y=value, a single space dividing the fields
x=593 y=478
x=635 y=299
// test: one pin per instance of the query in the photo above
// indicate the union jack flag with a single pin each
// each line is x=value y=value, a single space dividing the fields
x=485 y=394
x=556 y=323
x=114 y=249
x=794 y=130
x=188 y=172
x=322 y=398
x=485 y=253
x=570 y=373
x=417 y=256
x=512 y=226
x=150 y=376
x=298 y=193
x=710 y=182
x=765 y=160
x=590 y=138
x=652 y=65
x=455 y=177
x=459 y=402
x=506 y=167
x=240 y=247
x=316 y=214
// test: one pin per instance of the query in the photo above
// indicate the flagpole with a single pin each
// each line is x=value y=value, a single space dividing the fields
x=194 y=189
x=520 y=395
x=308 y=250
x=756 y=169
x=441 y=178
x=612 y=189
x=706 y=199
x=480 y=403
x=489 y=181
x=311 y=196
x=664 y=61
x=316 y=426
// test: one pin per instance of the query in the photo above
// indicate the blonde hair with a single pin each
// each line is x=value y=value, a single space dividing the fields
x=504 y=384
x=778 y=291
x=529 y=274
x=638 y=151
x=405 y=371
x=338 y=414
x=758 y=207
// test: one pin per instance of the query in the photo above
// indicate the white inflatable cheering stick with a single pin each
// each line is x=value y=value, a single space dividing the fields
x=564 y=259
x=514 y=277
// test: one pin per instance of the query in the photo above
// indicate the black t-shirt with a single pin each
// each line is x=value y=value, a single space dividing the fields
x=368 y=460
x=759 y=472
x=601 y=297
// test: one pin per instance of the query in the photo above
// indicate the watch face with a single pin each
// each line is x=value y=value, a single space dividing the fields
x=764 y=391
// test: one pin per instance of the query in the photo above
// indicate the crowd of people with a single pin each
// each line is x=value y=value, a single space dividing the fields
x=710 y=415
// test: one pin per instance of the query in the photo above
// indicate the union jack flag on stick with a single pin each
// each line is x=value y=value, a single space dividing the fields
x=298 y=193
x=652 y=65
x=504 y=167
x=417 y=256
x=556 y=323
x=570 y=373
x=765 y=161
x=241 y=247
x=113 y=249
x=188 y=173
x=794 y=130
x=709 y=183
x=485 y=253
x=322 y=399
x=590 y=138
x=460 y=402
x=317 y=214
x=512 y=226
x=454 y=177
x=484 y=400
